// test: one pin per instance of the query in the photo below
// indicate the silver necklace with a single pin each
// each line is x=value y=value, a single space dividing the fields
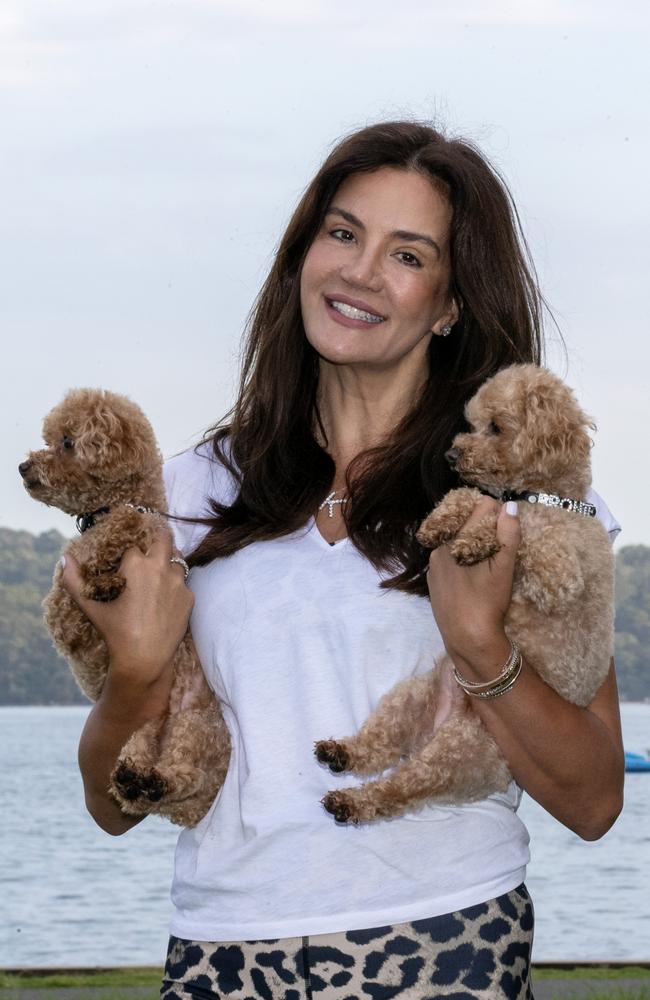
x=329 y=502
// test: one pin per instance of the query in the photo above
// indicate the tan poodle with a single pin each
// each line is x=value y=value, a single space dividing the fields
x=103 y=465
x=530 y=438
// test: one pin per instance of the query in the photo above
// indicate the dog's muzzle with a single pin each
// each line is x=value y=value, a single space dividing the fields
x=24 y=469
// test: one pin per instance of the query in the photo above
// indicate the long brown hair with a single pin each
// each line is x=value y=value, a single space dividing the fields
x=268 y=440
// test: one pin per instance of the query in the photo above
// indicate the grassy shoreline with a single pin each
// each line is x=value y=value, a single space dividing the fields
x=150 y=976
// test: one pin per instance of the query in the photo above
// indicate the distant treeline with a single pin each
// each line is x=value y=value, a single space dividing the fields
x=633 y=622
x=31 y=673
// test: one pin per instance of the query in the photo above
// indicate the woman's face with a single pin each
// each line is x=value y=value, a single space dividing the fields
x=375 y=282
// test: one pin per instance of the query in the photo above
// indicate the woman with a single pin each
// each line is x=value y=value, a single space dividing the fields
x=399 y=286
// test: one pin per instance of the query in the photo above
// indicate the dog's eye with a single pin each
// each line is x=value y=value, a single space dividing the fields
x=67 y=443
x=493 y=428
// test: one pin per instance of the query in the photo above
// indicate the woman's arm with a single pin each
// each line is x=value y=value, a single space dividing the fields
x=569 y=759
x=142 y=630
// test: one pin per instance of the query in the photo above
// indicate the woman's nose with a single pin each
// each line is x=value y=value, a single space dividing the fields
x=363 y=270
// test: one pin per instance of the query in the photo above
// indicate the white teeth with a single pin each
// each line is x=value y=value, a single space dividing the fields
x=352 y=313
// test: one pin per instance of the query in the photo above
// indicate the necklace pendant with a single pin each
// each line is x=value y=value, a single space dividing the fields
x=329 y=502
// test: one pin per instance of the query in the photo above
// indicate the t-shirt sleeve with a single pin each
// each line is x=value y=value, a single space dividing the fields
x=192 y=479
x=604 y=514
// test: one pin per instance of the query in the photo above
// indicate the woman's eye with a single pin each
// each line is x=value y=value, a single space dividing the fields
x=342 y=234
x=493 y=428
x=67 y=443
x=408 y=258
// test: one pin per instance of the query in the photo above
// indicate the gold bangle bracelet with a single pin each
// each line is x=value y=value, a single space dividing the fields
x=506 y=673
x=499 y=689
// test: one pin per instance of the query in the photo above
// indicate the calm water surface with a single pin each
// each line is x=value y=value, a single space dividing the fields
x=71 y=895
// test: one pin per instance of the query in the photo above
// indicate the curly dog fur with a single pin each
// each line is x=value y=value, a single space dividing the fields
x=101 y=453
x=527 y=433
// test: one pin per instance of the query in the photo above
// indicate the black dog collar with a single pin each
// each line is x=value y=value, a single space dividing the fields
x=545 y=499
x=85 y=521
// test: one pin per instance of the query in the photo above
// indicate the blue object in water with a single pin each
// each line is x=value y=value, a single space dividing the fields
x=636 y=762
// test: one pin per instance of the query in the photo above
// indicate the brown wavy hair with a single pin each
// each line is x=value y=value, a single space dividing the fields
x=268 y=440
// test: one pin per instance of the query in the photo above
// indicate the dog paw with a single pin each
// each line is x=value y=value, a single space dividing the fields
x=433 y=533
x=470 y=551
x=104 y=588
x=341 y=806
x=133 y=784
x=334 y=754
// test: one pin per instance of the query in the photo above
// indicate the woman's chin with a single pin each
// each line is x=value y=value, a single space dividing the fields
x=352 y=359
x=343 y=350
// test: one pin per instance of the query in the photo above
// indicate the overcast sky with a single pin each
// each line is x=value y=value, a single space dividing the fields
x=151 y=152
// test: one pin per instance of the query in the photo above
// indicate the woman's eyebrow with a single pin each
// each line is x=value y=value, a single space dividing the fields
x=400 y=234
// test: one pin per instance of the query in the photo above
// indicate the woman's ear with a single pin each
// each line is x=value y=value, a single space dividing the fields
x=442 y=326
x=455 y=311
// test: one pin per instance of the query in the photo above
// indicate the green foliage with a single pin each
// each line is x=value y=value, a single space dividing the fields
x=611 y=994
x=31 y=672
x=79 y=978
x=595 y=970
x=129 y=983
x=633 y=622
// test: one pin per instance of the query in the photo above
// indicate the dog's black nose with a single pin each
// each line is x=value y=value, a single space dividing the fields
x=24 y=468
x=452 y=456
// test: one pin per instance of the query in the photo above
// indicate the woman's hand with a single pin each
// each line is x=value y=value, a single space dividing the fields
x=144 y=626
x=470 y=602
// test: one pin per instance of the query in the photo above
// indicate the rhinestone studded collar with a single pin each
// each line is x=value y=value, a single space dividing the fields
x=544 y=499
x=85 y=521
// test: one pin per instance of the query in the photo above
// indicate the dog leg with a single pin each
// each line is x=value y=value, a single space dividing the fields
x=135 y=782
x=461 y=763
x=175 y=767
x=448 y=517
x=76 y=639
x=390 y=732
x=106 y=587
x=182 y=782
x=476 y=543
x=102 y=578
x=194 y=764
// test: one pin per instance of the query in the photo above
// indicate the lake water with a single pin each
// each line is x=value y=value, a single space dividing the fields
x=71 y=895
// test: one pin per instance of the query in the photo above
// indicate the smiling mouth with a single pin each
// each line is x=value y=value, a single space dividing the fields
x=351 y=312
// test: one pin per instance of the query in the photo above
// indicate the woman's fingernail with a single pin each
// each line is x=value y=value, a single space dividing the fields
x=512 y=508
x=62 y=562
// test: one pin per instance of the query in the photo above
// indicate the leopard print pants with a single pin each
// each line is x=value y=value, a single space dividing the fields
x=482 y=951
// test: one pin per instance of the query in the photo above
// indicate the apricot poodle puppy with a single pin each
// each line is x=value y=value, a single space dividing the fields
x=528 y=437
x=101 y=463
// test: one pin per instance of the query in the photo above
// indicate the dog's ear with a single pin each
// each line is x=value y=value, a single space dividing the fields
x=556 y=428
x=112 y=436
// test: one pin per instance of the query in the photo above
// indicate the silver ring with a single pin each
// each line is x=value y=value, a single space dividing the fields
x=181 y=562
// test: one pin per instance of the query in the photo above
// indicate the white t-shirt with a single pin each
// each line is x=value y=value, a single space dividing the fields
x=299 y=643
